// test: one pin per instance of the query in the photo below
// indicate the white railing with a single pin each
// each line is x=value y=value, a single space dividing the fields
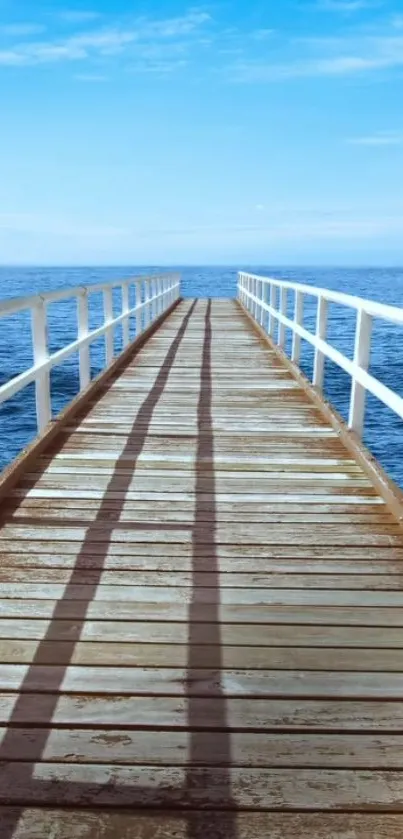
x=153 y=296
x=262 y=295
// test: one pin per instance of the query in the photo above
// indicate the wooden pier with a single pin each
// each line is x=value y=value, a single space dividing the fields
x=201 y=614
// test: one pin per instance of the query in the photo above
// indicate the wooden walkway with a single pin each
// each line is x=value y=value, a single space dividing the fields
x=201 y=614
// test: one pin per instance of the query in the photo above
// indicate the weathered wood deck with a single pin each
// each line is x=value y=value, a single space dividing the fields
x=201 y=610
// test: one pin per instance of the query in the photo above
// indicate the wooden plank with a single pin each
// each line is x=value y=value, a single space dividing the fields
x=59 y=824
x=174 y=748
x=265 y=598
x=205 y=788
x=203 y=656
x=205 y=579
x=285 y=567
x=388 y=535
x=240 y=635
x=189 y=551
x=175 y=682
x=156 y=712
x=203 y=612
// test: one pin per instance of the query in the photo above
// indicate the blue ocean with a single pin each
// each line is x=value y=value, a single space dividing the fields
x=383 y=430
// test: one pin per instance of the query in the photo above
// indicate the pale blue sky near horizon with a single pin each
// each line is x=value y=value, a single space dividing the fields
x=218 y=133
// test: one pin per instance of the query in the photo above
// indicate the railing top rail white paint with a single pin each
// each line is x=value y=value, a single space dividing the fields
x=253 y=293
x=18 y=304
x=377 y=310
x=153 y=296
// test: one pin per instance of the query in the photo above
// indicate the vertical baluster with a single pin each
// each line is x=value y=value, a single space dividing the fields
x=362 y=354
x=82 y=332
x=153 y=299
x=125 y=311
x=108 y=317
x=148 y=286
x=159 y=296
x=41 y=354
x=138 y=318
x=283 y=311
x=262 y=292
x=273 y=298
x=265 y=315
x=321 y=324
x=298 y=320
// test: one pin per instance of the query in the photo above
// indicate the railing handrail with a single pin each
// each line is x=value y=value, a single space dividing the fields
x=393 y=314
x=154 y=294
x=12 y=305
x=253 y=291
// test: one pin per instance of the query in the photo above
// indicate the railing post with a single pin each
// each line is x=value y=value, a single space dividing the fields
x=147 y=307
x=298 y=319
x=108 y=318
x=283 y=311
x=265 y=289
x=262 y=285
x=273 y=295
x=41 y=354
x=139 y=312
x=125 y=311
x=82 y=332
x=321 y=324
x=154 y=310
x=362 y=354
x=239 y=286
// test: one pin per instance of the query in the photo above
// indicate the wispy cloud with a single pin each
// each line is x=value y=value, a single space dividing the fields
x=345 y=6
x=382 y=138
x=261 y=34
x=73 y=16
x=92 y=78
x=21 y=30
x=134 y=39
x=325 y=56
x=30 y=223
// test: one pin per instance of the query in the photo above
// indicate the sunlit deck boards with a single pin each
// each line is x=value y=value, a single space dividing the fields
x=201 y=611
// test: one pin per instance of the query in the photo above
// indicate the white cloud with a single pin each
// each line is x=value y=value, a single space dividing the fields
x=107 y=41
x=382 y=138
x=90 y=77
x=176 y=27
x=261 y=34
x=21 y=30
x=72 y=16
x=325 y=56
x=345 y=6
x=30 y=223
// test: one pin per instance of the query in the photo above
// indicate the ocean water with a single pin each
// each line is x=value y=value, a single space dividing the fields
x=383 y=429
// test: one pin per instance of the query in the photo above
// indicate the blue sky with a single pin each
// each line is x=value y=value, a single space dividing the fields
x=160 y=133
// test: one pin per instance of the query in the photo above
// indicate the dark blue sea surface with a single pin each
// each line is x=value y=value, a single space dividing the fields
x=383 y=429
